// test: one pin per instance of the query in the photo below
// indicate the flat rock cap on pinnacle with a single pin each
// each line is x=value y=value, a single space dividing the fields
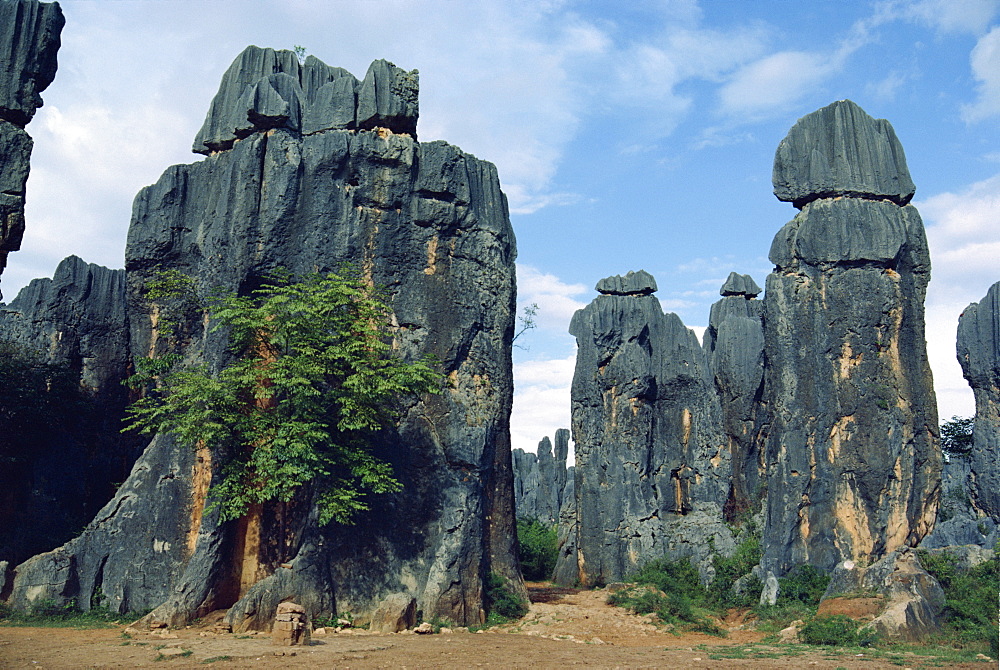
x=738 y=284
x=840 y=150
x=634 y=283
x=265 y=89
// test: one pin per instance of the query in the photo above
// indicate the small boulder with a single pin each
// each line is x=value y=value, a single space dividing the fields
x=394 y=614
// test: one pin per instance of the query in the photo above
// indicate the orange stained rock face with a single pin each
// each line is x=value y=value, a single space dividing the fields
x=201 y=480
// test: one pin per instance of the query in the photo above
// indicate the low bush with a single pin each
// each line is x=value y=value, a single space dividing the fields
x=671 y=590
x=837 y=630
x=502 y=603
x=970 y=612
x=804 y=584
x=730 y=569
x=537 y=543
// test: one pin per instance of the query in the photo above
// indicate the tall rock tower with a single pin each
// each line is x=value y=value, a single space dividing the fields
x=307 y=169
x=29 y=40
x=853 y=461
x=734 y=344
x=979 y=355
x=652 y=468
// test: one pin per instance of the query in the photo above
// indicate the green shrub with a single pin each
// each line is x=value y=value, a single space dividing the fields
x=673 y=591
x=728 y=570
x=538 y=547
x=837 y=630
x=51 y=614
x=805 y=584
x=970 y=612
x=503 y=602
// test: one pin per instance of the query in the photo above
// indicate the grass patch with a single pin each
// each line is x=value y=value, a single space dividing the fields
x=672 y=591
x=49 y=614
x=214 y=659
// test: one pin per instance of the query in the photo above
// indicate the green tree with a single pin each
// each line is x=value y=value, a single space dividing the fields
x=956 y=436
x=538 y=547
x=313 y=379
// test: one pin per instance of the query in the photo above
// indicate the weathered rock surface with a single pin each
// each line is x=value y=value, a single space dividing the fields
x=652 y=467
x=852 y=455
x=912 y=599
x=734 y=346
x=56 y=477
x=428 y=222
x=540 y=479
x=29 y=41
x=979 y=355
x=840 y=150
x=567 y=566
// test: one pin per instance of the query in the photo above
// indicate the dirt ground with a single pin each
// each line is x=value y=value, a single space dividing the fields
x=564 y=627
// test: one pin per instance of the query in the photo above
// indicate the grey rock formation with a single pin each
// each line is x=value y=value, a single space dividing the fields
x=960 y=520
x=852 y=455
x=56 y=478
x=734 y=345
x=652 y=467
x=912 y=600
x=567 y=568
x=428 y=222
x=979 y=355
x=840 y=150
x=265 y=89
x=539 y=479
x=29 y=40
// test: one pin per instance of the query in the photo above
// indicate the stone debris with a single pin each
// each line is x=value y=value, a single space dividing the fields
x=424 y=629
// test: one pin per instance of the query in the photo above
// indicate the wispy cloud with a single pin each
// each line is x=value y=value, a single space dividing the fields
x=557 y=301
x=953 y=16
x=985 y=63
x=541 y=400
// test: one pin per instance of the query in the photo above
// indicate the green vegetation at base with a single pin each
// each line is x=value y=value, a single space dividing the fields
x=837 y=630
x=502 y=604
x=49 y=614
x=313 y=381
x=538 y=547
x=970 y=612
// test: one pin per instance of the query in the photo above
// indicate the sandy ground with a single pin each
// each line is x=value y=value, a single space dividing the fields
x=565 y=627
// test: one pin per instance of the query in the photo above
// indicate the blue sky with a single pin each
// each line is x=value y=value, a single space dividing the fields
x=627 y=136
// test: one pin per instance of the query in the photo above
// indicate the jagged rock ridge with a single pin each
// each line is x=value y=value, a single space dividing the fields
x=428 y=222
x=852 y=455
x=57 y=476
x=29 y=40
x=540 y=479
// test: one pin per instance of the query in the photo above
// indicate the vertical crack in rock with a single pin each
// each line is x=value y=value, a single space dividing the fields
x=652 y=471
x=852 y=457
x=29 y=41
x=307 y=169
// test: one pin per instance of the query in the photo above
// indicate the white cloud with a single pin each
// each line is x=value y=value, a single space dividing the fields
x=955 y=16
x=773 y=83
x=556 y=300
x=985 y=62
x=963 y=231
x=541 y=400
